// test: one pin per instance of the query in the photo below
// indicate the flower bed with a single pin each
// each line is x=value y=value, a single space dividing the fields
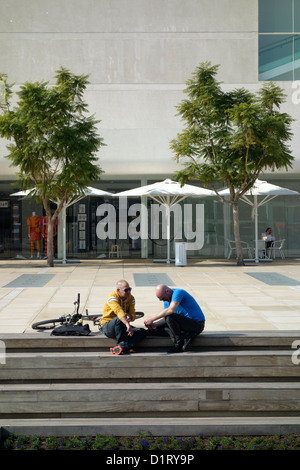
x=144 y=442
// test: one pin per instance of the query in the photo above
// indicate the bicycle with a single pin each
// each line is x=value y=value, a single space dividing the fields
x=73 y=318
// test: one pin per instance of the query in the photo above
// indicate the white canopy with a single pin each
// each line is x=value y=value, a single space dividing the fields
x=89 y=191
x=261 y=188
x=168 y=193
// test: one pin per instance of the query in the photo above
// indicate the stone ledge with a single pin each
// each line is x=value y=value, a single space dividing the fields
x=230 y=339
x=208 y=426
x=167 y=399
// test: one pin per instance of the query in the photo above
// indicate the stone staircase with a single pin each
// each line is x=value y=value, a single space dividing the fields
x=230 y=383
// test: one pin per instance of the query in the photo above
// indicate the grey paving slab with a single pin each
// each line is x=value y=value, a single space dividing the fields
x=275 y=279
x=30 y=280
x=152 y=279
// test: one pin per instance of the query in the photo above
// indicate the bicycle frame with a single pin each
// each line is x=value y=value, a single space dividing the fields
x=73 y=318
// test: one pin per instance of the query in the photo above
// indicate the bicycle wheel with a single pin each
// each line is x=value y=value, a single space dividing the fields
x=139 y=315
x=48 y=324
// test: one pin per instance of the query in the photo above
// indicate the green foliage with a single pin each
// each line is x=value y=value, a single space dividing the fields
x=5 y=92
x=230 y=136
x=53 y=142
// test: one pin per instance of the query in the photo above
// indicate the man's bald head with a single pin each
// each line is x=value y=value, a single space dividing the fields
x=163 y=292
x=123 y=289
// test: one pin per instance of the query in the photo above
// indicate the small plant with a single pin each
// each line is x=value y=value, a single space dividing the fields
x=106 y=443
x=9 y=442
x=52 y=443
x=35 y=443
x=21 y=442
x=81 y=443
x=227 y=443
x=213 y=443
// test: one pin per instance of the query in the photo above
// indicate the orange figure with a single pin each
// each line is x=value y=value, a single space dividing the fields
x=45 y=233
x=34 y=232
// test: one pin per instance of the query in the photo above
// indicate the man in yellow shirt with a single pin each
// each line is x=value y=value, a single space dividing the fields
x=118 y=313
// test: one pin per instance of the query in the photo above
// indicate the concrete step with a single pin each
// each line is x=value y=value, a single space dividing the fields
x=37 y=341
x=208 y=426
x=149 y=399
x=148 y=366
x=230 y=383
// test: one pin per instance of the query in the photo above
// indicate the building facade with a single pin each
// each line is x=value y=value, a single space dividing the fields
x=139 y=54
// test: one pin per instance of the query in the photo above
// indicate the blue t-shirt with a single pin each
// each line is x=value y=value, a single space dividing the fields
x=187 y=305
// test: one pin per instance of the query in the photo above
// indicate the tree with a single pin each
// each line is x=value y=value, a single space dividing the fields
x=54 y=143
x=230 y=137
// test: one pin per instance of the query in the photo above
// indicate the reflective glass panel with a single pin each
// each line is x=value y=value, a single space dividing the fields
x=275 y=57
x=297 y=16
x=297 y=57
x=276 y=16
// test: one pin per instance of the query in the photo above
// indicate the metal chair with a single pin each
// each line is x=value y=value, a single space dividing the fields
x=232 y=247
x=277 y=246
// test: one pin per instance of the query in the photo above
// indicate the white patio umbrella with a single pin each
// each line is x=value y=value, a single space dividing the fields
x=168 y=193
x=89 y=191
x=268 y=191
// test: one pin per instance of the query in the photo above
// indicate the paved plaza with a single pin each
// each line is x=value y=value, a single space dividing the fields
x=258 y=296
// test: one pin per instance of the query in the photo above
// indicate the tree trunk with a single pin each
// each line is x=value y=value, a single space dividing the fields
x=50 y=254
x=237 y=238
x=50 y=239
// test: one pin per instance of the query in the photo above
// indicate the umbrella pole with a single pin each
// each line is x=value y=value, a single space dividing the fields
x=167 y=206
x=64 y=260
x=255 y=209
x=256 y=230
x=168 y=233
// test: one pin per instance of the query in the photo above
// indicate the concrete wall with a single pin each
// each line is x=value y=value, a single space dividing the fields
x=139 y=53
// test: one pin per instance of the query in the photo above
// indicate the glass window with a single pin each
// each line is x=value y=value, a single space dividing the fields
x=297 y=57
x=279 y=34
x=276 y=57
x=297 y=16
x=276 y=16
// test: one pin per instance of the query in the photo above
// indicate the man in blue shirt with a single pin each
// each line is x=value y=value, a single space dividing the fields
x=181 y=315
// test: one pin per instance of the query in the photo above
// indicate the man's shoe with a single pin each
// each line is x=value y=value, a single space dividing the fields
x=175 y=349
x=187 y=343
x=117 y=350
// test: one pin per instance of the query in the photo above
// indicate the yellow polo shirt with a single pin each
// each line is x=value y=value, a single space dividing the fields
x=115 y=306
